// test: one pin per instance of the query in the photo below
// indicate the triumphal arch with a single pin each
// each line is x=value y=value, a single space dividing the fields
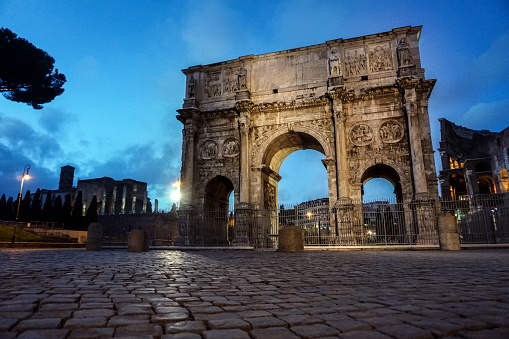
x=361 y=102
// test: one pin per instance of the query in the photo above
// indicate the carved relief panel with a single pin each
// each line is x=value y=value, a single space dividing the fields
x=269 y=193
x=355 y=62
x=380 y=58
x=361 y=135
x=230 y=81
x=391 y=131
x=208 y=150
x=231 y=147
x=212 y=85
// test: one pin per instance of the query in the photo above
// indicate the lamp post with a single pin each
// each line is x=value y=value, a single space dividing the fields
x=175 y=195
x=23 y=177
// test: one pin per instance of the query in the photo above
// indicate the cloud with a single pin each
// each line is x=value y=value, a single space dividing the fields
x=487 y=115
x=55 y=120
x=208 y=30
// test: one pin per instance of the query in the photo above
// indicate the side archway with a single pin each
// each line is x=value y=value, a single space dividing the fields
x=384 y=172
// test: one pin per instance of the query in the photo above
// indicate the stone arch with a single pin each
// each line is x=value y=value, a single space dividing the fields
x=457 y=184
x=305 y=136
x=385 y=172
x=486 y=184
x=216 y=193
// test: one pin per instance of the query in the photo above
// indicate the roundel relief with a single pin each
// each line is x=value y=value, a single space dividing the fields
x=208 y=150
x=231 y=147
x=361 y=135
x=391 y=131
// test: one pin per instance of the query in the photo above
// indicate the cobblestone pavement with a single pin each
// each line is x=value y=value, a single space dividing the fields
x=243 y=294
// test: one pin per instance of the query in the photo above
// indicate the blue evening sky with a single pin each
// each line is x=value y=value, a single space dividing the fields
x=123 y=62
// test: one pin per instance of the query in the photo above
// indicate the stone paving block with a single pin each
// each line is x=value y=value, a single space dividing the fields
x=347 y=325
x=273 y=333
x=124 y=320
x=439 y=327
x=94 y=313
x=254 y=314
x=38 y=324
x=186 y=326
x=364 y=335
x=15 y=315
x=74 y=323
x=228 y=323
x=59 y=307
x=18 y=308
x=226 y=334
x=377 y=322
x=300 y=319
x=285 y=312
x=493 y=320
x=44 y=334
x=497 y=333
x=88 y=333
x=93 y=306
x=135 y=310
x=314 y=331
x=7 y=324
x=171 y=309
x=182 y=336
x=65 y=314
x=405 y=331
x=139 y=330
x=469 y=324
x=207 y=309
x=165 y=318
x=265 y=322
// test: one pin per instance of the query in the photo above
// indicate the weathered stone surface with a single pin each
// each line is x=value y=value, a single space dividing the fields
x=223 y=324
x=44 y=334
x=291 y=239
x=94 y=237
x=87 y=333
x=264 y=322
x=137 y=241
x=314 y=331
x=86 y=322
x=139 y=330
x=222 y=334
x=405 y=331
x=186 y=326
x=273 y=333
x=37 y=324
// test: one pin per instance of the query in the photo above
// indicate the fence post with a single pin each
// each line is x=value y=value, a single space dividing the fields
x=94 y=237
x=448 y=232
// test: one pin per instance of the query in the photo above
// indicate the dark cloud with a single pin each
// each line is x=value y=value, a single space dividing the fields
x=55 y=120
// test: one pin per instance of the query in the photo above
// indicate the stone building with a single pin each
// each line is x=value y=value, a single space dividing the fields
x=125 y=196
x=361 y=102
x=473 y=162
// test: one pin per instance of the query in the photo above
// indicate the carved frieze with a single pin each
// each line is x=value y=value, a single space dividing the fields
x=231 y=147
x=361 y=135
x=355 y=62
x=230 y=81
x=391 y=131
x=269 y=196
x=212 y=85
x=208 y=150
x=380 y=58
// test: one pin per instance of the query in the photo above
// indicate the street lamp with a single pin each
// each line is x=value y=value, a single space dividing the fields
x=175 y=195
x=23 y=177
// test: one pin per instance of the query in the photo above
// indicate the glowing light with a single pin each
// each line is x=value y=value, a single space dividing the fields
x=175 y=196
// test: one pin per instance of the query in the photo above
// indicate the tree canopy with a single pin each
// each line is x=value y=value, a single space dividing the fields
x=26 y=72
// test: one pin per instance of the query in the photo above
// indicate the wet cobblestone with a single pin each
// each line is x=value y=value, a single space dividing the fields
x=243 y=294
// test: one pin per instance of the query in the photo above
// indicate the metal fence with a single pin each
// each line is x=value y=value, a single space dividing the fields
x=482 y=219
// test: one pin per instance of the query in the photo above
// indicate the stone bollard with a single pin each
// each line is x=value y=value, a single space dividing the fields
x=94 y=237
x=448 y=232
x=137 y=241
x=291 y=239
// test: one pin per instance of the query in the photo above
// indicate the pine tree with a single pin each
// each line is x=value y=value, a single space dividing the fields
x=57 y=211
x=91 y=215
x=35 y=208
x=66 y=212
x=24 y=208
x=77 y=212
x=3 y=208
x=47 y=209
x=9 y=209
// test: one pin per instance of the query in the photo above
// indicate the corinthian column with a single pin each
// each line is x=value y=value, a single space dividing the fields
x=244 y=109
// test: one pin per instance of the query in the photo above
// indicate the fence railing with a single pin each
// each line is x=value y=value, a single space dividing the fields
x=482 y=219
